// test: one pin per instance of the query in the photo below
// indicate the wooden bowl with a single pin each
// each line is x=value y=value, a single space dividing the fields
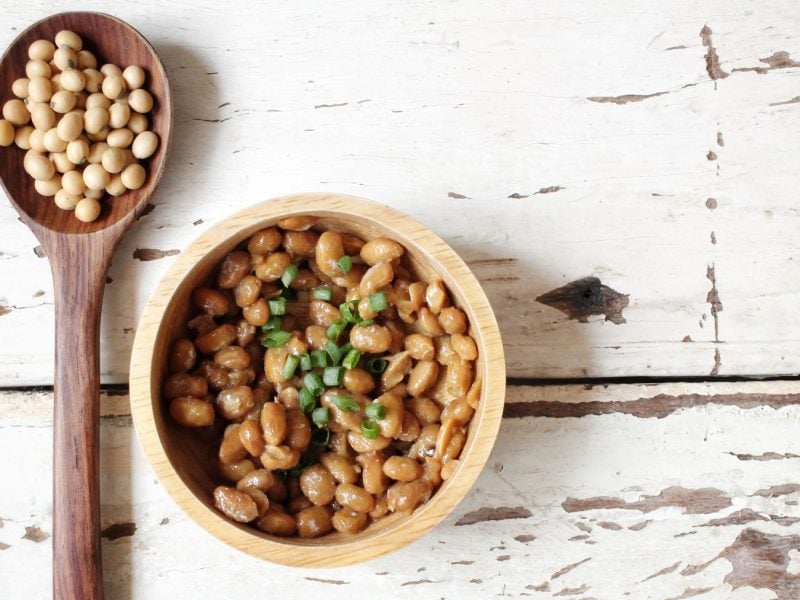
x=179 y=457
x=111 y=41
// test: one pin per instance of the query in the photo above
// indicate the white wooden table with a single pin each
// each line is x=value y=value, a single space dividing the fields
x=651 y=146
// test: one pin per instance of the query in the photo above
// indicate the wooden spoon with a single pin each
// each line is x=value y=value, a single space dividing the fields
x=79 y=256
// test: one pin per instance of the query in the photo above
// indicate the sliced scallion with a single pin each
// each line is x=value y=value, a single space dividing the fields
x=334 y=352
x=288 y=275
x=290 y=366
x=370 y=429
x=314 y=383
x=336 y=328
x=271 y=324
x=378 y=302
x=345 y=264
x=275 y=338
x=319 y=359
x=376 y=411
x=277 y=306
x=333 y=376
x=351 y=359
x=376 y=365
x=345 y=403
x=322 y=293
x=305 y=362
x=306 y=400
x=321 y=416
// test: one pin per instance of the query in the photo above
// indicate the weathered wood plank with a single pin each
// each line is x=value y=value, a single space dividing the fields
x=650 y=505
x=546 y=145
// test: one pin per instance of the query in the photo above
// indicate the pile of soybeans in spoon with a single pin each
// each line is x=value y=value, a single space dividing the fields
x=84 y=129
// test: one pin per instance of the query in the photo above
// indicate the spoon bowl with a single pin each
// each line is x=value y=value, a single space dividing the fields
x=111 y=41
x=79 y=255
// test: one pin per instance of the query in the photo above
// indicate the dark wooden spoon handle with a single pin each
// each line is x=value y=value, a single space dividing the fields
x=79 y=270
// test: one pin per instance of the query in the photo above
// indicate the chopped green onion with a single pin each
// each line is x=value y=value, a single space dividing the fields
x=345 y=403
x=351 y=359
x=321 y=416
x=290 y=366
x=345 y=264
x=277 y=306
x=322 y=293
x=365 y=322
x=275 y=338
x=320 y=437
x=333 y=376
x=336 y=328
x=349 y=311
x=288 y=275
x=272 y=323
x=376 y=365
x=378 y=302
x=305 y=362
x=376 y=410
x=370 y=429
x=314 y=383
x=306 y=400
x=334 y=352
x=319 y=359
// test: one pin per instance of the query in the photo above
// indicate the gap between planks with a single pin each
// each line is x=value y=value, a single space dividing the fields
x=648 y=399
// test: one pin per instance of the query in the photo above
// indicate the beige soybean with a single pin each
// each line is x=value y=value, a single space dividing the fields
x=354 y=497
x=48 y=187
x=39 y=166
x=318 y=485
x=133 y=176
x=70 y=126
x=62 y=101
x=96 y=177
x=114 y=160
x=20 y=87
x=41 y=50
x=52 y=141
x=36 y=140
x=66 y=201
x=93 y=81
x=37 y=68
x=133 y=76
x=144 y=145
x=120 y=138
x=137 y=123
x=110 y=69
x=22 y=138
x=16 y=113
x=73 y=81
x=95 y=120
x=119 y=114
x=65 y=58
x=42 y=116
x=115 y=187
x=86 y=60
x=6 y=133
x=39 y=89
x=113 y=87
x=69 y=39
x=381 y=250
x=96 y=152
x=141 y=101
x=61 y=162
x=97 y=100
x=73 y=184
x=78 y=151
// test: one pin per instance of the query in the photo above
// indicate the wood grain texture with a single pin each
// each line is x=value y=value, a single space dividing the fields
x=174 y=451
x=511 y=536
x=476 y=118
x=80 y=255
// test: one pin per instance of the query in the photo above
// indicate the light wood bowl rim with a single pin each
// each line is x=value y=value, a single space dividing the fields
x=344 y=550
